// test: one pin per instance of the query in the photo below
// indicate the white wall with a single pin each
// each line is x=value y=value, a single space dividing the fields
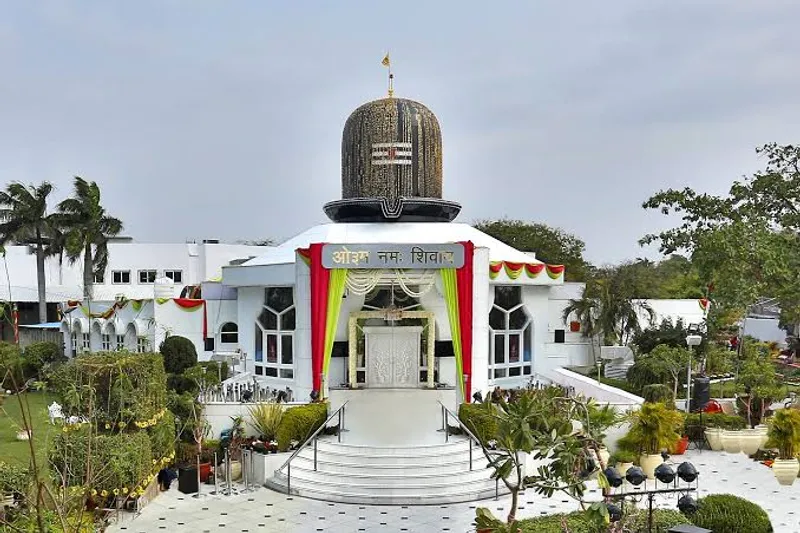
x=197 y=262
x=592 y=389
x=219 y=414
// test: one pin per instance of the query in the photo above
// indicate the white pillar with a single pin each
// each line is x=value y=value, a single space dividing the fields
x=480 y=321
x=303 y=374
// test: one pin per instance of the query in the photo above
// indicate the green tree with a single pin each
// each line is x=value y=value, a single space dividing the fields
x=608 y=311
x=24 y=220
x=551 y=245
x=88 y=229
x=744 y=243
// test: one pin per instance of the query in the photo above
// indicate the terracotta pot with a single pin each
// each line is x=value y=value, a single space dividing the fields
x=622 y=468
x=649 y=463
x=730 y=442
x=680 y=447
x=205 y=471
x=786 y=470
x=574 y=326
x=714 y=438
x=750 y=441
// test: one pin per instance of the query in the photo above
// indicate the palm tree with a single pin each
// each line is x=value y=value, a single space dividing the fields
x=24 y=220
x=586 y=310
x=87 y=228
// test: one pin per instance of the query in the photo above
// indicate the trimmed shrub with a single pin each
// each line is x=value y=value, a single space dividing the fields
x=478 y=421
x=576 y=522
x=14 y=479
x=12 y=367
x=657 y=393
x=40 y=356
x=112 y=388
x=298 y=423
x=117 y=461
x=179 y=354
x=663 y=520
x=731 y=514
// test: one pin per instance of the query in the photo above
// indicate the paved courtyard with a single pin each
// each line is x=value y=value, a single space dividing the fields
x=268 y=511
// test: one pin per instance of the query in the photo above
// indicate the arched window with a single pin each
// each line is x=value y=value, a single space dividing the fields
x=229 y=333
x=510 y=336
x=275 y=334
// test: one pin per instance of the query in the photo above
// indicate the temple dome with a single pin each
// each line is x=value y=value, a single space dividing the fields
x=392 y=148
x=392 y=165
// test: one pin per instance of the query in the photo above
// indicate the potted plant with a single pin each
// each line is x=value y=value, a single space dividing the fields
x=713 y=434
x=623 y=460
x=265 y=419
x=680 y=447
x=784 y=434
x=654 y=427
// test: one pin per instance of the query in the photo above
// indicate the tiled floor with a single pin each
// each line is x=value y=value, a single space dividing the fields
x=264 y=510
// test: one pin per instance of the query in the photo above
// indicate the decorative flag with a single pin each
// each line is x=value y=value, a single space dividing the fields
x=386 y=62
x=391 y=153
x=15 y=313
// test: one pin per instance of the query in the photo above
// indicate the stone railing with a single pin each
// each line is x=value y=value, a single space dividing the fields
x=245 y=388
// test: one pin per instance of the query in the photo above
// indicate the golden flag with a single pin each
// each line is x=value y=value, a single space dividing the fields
x=385 y=61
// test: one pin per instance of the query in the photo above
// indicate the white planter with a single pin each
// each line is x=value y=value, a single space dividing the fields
x=730 y=442
x=714 y=438
x=649 y=463
x=622 y=468
x=786 y=470
x=762 y=430
x=749 y=441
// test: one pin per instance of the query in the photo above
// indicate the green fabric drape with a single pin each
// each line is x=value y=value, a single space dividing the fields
x=335 y=292
x=451 y=299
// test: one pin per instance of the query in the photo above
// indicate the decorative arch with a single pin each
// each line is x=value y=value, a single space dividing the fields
x=130 y=337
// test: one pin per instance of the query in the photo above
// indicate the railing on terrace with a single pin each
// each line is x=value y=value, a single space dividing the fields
x=245 y=388
x=313 y=438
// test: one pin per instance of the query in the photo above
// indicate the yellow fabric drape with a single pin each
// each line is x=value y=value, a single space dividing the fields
x=336 y=285
x=450 y=288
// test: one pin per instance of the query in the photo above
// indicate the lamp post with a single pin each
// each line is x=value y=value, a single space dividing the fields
x=691 y=341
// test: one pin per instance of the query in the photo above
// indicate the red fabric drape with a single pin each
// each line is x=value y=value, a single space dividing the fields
x=464 y=282
x=189 y=303
x=320 y=280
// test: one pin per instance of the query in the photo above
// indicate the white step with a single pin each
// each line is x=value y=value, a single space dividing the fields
x=390 y=475
x=345 y=465
x=343 y=492
x=397 y=478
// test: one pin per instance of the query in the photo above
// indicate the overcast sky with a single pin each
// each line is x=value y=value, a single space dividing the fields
x=209 y=119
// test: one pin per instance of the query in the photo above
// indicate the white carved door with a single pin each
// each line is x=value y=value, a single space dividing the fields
x=393 y=356
x=379 y=357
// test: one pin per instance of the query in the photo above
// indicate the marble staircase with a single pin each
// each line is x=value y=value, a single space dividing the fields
x=390 y=475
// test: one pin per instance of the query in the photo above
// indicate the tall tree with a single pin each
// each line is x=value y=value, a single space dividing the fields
x=551 y=245
x=24 y=220
x=745 y=243
x=88 y=228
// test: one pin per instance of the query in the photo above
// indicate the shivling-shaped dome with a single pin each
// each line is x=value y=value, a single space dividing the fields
x=392 y=165
x=392 y=148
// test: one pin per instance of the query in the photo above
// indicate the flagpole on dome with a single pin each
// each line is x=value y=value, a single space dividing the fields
x=388 y=64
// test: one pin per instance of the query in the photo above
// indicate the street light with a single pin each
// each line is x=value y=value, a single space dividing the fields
x=691 y=340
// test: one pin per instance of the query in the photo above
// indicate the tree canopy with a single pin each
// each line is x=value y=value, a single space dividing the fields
x=745 y=244
x=551 y=245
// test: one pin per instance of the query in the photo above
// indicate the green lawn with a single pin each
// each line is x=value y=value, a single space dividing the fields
x=12 y=450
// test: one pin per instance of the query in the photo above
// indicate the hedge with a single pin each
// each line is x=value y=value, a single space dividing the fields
x=299 y=423
x=657 y=393
x=731 y=514
x=118 y=461
x=162 y=436
x=478 y=421
x=14 y=479
x=577 y=522
x=695 y=429
x=113 y=388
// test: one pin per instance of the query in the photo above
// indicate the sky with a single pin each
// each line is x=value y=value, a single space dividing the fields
x=207 y=119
